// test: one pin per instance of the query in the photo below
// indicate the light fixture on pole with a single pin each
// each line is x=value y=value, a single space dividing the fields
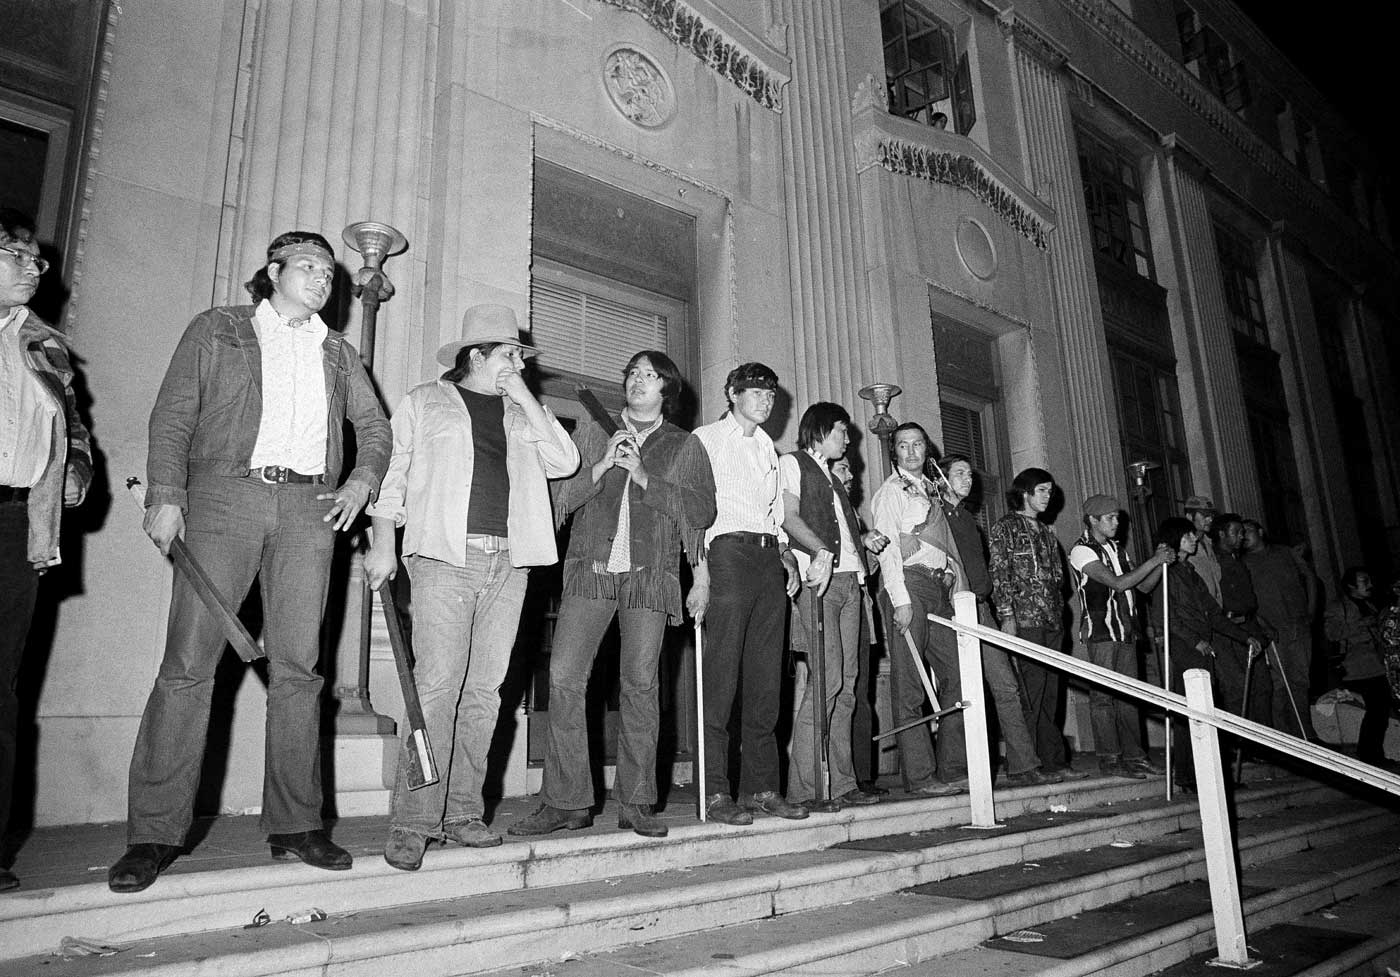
x=354 y=713
x=375 y=241
x=1139 y=469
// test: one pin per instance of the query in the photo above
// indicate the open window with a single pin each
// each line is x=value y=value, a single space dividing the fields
x=928 y=76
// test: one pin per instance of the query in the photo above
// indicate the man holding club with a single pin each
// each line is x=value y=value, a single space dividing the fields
x=245 y=460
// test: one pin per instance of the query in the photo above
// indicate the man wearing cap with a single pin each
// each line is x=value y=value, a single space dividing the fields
x=1106 y=580
x=468 y=481
x=740 y=592
x=1200 y=509
x=245 y=460
x=45 y=465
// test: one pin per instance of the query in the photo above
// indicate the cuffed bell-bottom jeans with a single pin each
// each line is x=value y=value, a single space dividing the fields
x=464 y=624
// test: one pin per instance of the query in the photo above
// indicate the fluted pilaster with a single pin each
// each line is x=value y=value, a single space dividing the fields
x=831 y=307
x=1048 y=133
x=331 y=131
x=1209 y=329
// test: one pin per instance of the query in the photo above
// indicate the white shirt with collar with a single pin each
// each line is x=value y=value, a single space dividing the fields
x=746 y=479
x=901 y=503
x=292 y=430
x=26 y=410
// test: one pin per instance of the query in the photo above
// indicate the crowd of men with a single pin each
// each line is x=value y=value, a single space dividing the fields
x=467 y=487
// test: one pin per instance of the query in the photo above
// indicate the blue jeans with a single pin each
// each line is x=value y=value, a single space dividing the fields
x=464 y=624
x=568 y=777
x=1115 y=721
x=841 y=610
x=238 y=529
x=916 y=750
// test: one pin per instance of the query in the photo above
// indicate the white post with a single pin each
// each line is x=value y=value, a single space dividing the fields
x=979 y=761
x=699 y=776
x=1215 y=828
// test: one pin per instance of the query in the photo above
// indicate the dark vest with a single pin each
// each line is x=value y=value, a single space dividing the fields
x=816 y=510
x=1108 y=613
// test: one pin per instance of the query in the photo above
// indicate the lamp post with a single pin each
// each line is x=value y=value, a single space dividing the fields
x=354 y=713
x=882 y=425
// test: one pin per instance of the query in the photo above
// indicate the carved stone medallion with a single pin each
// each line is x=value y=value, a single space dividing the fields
x=638 y=87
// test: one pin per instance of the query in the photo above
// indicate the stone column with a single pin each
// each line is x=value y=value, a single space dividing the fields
x=1052 y=163
x=329 y=128
x=1207 y=340
x=832 y=337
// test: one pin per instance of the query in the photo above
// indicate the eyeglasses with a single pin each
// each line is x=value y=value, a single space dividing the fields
x=646 y=375
x=25 y=258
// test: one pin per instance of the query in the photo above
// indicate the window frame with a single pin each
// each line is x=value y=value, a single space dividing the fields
x=1116 y=207
x=956 y=99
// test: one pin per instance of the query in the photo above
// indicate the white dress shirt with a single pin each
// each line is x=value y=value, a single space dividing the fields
x=26 y=410
x=292 y=429
x=746 y=479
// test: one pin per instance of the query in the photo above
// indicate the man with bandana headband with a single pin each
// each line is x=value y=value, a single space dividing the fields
x=245 y=459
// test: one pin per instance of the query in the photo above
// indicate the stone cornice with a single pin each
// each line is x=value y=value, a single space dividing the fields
x=1030 y=39
x=1133 y=43
x=685 y=27
x=938 y=156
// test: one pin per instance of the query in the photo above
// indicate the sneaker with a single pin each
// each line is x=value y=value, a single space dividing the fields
x=472 y=834
x=548 y=819
x=1117 y=768
x=404 y=849
x=721 y=808
x=640 y=819
x=771 y=802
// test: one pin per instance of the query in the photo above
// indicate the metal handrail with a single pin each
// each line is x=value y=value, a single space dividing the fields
x=1197 y=706
x=1228 y=722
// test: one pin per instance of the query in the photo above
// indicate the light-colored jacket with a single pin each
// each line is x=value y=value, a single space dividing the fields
x=46 y=355
x=429 y=483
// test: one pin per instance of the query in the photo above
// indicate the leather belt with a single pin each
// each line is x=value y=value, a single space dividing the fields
x=13 y=493
x=488 y=544
x=766 y=540
x=277 y=475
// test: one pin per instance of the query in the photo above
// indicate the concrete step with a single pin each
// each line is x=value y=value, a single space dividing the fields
x=570 y=895
x=34 y=920
x=908 y=934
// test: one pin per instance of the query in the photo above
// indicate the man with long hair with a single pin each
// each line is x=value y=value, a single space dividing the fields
x=246 y=452
x=639 y=498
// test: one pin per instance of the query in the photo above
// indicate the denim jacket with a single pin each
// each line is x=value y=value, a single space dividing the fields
x=205 y=420
x=46 y=355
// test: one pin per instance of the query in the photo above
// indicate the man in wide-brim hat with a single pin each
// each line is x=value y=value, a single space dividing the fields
x=473 y=452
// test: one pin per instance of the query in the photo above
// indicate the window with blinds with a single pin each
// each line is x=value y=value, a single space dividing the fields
x=965 y=433
x=582 y=331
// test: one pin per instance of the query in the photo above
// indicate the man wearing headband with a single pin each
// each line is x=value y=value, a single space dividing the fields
x=741 y=590
x=245 y=459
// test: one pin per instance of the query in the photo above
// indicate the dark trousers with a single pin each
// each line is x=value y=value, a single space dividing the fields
x=568 y=775
x=1184 y=658
x=863 y=718
x=921 y=758
x=1370 y=740
x=1042 y=689
x=19 y=585
x=743 y=640
x=238 y=529
x=1295 y=655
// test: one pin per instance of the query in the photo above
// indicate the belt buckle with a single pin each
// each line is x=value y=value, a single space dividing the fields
x=279 y=474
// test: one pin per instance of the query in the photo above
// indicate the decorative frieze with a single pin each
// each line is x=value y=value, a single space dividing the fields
x=964 y=173
x=719 y=52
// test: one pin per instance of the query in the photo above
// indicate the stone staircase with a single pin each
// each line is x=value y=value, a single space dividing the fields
x=902 y=888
